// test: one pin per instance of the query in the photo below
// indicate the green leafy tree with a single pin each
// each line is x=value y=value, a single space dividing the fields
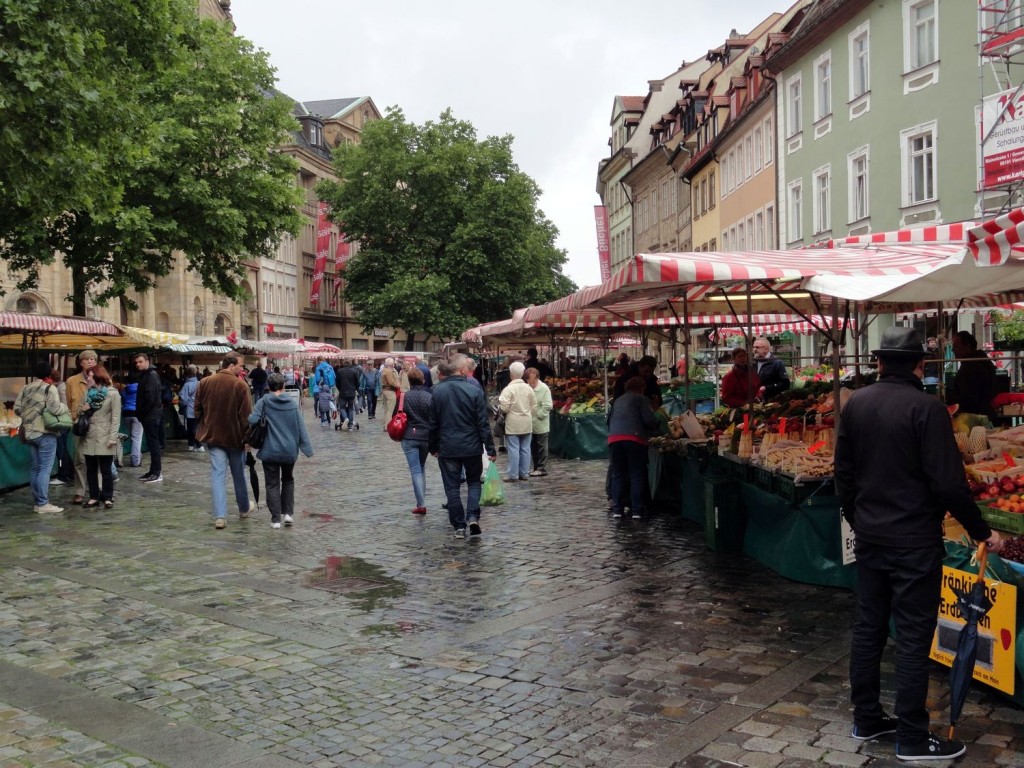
x=449 y=230
x=194 y=168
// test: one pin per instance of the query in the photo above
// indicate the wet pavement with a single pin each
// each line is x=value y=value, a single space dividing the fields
x=369 y=636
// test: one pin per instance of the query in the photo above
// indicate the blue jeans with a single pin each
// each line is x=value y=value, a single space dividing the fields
x=451 y=472
x=518 y=447
x=42 y=451
x=416 y=454
x=220 y=460
x=134 y=426
x=347 y=409
x=629 y=476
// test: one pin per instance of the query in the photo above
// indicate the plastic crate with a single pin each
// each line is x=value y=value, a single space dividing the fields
x=797 y=493
x=736 y=468
x=703 y=391
x=697 y=450
x=761 y=477
x=1010 y=522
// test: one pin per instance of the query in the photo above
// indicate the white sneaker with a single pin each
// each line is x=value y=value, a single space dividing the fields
x=288 y=520
x=48 y=509
x=190 y=449
x=344 y=423
x=56 y=481
x=200 y=449
x=275 y=526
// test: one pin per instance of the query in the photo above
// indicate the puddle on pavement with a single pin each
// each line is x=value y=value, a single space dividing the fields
x=363 y=583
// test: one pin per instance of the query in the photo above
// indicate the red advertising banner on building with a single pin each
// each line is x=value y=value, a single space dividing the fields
x=603 y=252
x=341 y=257
x=1002 y=138
x=323 y=244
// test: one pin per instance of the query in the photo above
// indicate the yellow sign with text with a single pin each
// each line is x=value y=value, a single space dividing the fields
x=997 y=630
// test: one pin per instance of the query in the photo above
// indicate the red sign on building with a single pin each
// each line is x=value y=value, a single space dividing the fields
x=603 y=252
x=323 y=244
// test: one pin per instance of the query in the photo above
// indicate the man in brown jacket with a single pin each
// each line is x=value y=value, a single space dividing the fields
x=77 y=386
x=222 y=406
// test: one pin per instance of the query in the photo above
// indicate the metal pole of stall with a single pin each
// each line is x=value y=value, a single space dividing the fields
x=835 y=361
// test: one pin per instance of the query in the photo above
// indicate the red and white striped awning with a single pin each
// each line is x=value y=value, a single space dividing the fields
x=24 y=321
x=994 y=242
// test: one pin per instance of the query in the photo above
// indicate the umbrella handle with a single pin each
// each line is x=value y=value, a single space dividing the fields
x=982 y=557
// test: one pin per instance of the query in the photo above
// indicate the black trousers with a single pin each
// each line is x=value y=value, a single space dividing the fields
x=906 y=584
x=102 y=466
x=153 y=427
x=280 y=489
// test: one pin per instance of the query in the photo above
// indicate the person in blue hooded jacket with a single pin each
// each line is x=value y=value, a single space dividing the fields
x=286 y=436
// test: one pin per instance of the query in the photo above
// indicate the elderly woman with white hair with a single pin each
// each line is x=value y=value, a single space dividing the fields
x=390 y=386
x=518 y=402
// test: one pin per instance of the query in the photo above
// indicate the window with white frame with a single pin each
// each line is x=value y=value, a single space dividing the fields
x=920 y=33
x=748 y=151
x=759 y=230
x=741 y=161
x=704 y=195
x=268 y=297
x=758 y=150
x=794 y=95
x=857 y=171
x=860 y=61
x=711 y=190
x=769 y=227
x=822 y=199
x=769 y=142
x=795 y=206
x=741 y=237
x=655 y=217
x=919 y=172
x=823 y=86
x=727 y=174
x=725 y=241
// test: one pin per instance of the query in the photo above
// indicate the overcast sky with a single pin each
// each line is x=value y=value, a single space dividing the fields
x=544 y=71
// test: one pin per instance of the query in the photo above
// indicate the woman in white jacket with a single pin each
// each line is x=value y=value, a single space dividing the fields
x=519 y=404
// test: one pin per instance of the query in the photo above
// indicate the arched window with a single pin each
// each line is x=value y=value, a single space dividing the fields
x=222 y=324
x=163 y=322
x=27 y=304
x=199 y=322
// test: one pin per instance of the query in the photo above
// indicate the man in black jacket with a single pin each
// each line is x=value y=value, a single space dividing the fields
x=347 y=379
x=149 y=410
x=459 y=433
x=897 y=471
x=975 y=382
x=770 y=370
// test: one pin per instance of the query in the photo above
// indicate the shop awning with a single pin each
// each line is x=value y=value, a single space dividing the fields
x=152 y=338
x=272 y=346
x=197 y=349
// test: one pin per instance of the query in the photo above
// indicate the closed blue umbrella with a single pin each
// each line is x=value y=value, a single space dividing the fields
x=972 y=604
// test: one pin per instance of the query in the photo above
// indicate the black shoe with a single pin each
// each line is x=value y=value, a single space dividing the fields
x=475 y=529
x=444 y=506
x=460 y=533
x=875 y=728
x=147 y=476
x=932 y=748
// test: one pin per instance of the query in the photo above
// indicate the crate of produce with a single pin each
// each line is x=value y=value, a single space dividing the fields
x=797 y=493
x=761 y=477
x=703 y=391
x=696 y=449
x=1012 y=522
x=736 y=468
x=994 y=471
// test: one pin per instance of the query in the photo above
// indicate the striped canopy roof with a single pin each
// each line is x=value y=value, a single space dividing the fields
x=24 y=321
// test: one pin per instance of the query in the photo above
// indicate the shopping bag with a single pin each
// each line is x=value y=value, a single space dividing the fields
x=493 y=493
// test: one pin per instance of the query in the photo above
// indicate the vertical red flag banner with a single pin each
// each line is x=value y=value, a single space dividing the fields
x=603 y=252
x=341 y=257
x=323 y=244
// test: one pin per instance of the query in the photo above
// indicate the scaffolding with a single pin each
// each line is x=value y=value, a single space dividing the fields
x=1001 y=50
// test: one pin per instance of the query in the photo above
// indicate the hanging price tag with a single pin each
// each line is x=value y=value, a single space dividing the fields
x=782 y=425
x=1010 y=463
x=815 y=447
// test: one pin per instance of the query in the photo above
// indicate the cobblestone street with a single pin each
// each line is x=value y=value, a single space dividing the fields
x=366 y=635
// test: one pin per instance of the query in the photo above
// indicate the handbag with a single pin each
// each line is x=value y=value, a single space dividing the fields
x=256 y=435
x=396 y=427
x=81 y=426
x=56 y=422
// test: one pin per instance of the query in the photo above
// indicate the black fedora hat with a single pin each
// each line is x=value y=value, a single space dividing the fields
x=898 y=341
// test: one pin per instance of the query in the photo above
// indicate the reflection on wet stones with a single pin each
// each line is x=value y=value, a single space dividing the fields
x=362 y=582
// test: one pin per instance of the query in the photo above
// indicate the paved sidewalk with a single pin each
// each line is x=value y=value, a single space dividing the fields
x=368 y=636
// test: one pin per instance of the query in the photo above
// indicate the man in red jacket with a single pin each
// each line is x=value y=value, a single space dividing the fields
x=223 y=406
x=740 y=382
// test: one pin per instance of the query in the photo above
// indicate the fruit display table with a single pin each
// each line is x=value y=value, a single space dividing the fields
x=579 y=436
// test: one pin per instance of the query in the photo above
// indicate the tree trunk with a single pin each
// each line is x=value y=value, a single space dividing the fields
x=410 y=338
x=77 y=294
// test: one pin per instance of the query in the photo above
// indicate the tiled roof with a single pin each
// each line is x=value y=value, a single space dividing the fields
x=331 y=107
x=633 y=103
